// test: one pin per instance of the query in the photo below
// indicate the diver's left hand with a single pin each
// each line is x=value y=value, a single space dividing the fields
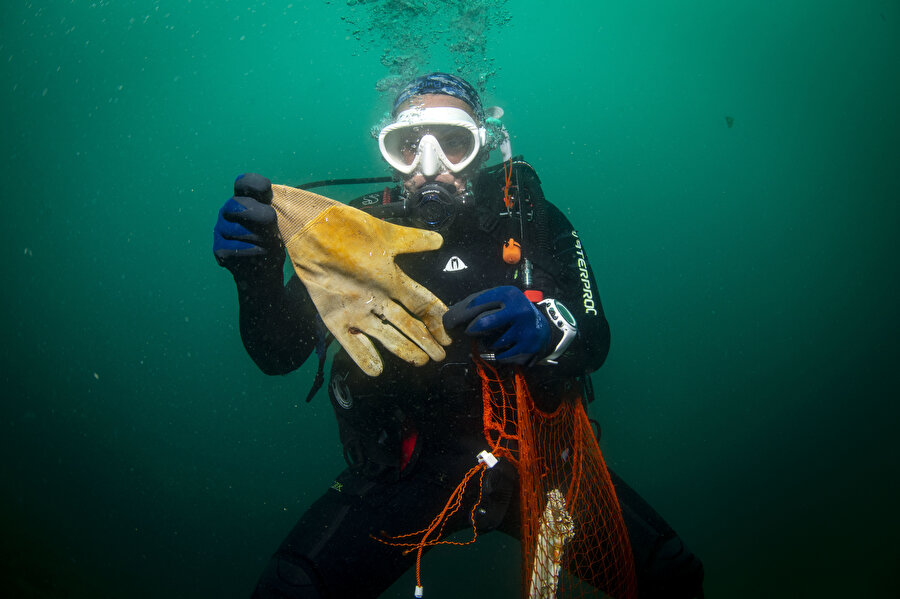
x=509 y=324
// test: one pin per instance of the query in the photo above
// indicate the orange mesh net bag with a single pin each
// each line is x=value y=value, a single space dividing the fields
x=574 y=541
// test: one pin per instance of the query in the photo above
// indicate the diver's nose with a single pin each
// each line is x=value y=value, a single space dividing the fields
x=430 y=164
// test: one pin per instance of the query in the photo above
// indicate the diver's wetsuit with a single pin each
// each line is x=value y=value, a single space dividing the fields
x=410 y=434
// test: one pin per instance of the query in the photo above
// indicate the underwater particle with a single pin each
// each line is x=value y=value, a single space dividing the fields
x=729 y=120
x=96 y=376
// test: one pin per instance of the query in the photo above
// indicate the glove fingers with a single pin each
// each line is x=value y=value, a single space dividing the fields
x=228 y=229
x=433 y=319
x=253 y=185
x=408 y=240
x=496 y=295
x=512 y=338
x=359 y=347
x=250 y=213
x=519 y=346
x=393 y=340
x=466 y=311
x=514 y=356
x=414 y=330
x=229 y=248
x=489 y=320
x=423 y=304
x=522 y=342
x=461 y=314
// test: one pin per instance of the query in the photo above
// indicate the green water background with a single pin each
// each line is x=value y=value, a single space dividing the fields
x=749 y=273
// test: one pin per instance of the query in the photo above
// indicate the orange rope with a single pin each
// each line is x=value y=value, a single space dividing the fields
x=437 y=525
x=507 y=176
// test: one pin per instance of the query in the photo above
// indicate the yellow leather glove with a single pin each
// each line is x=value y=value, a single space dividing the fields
x=345 y=258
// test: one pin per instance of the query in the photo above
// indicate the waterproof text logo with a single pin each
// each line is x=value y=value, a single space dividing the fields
x=587 y=294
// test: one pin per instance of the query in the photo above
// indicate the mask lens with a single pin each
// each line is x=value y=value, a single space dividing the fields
x=408 y=144
x=456 y=142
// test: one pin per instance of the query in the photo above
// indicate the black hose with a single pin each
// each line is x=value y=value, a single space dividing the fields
x=358 y=181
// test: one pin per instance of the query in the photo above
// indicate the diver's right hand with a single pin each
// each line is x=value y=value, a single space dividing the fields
x=245 y=238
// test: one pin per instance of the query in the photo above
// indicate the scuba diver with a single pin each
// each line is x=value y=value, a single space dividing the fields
x=486 y=268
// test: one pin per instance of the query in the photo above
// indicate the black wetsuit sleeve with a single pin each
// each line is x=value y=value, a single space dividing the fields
x=277 y=324
x=563 y=272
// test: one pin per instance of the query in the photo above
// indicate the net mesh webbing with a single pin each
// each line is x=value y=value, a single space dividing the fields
x=572 y=527
x=574 y=541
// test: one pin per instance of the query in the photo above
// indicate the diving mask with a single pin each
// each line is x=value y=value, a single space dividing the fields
x=431 y=141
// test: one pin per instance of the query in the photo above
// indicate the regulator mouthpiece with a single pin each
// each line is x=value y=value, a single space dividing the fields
x=435 y=205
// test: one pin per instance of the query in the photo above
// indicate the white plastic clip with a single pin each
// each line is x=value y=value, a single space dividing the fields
x=419 y=592
x=487 y=458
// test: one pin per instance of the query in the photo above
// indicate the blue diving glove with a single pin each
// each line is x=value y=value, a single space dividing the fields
x=511 y=327
x=245 y=238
